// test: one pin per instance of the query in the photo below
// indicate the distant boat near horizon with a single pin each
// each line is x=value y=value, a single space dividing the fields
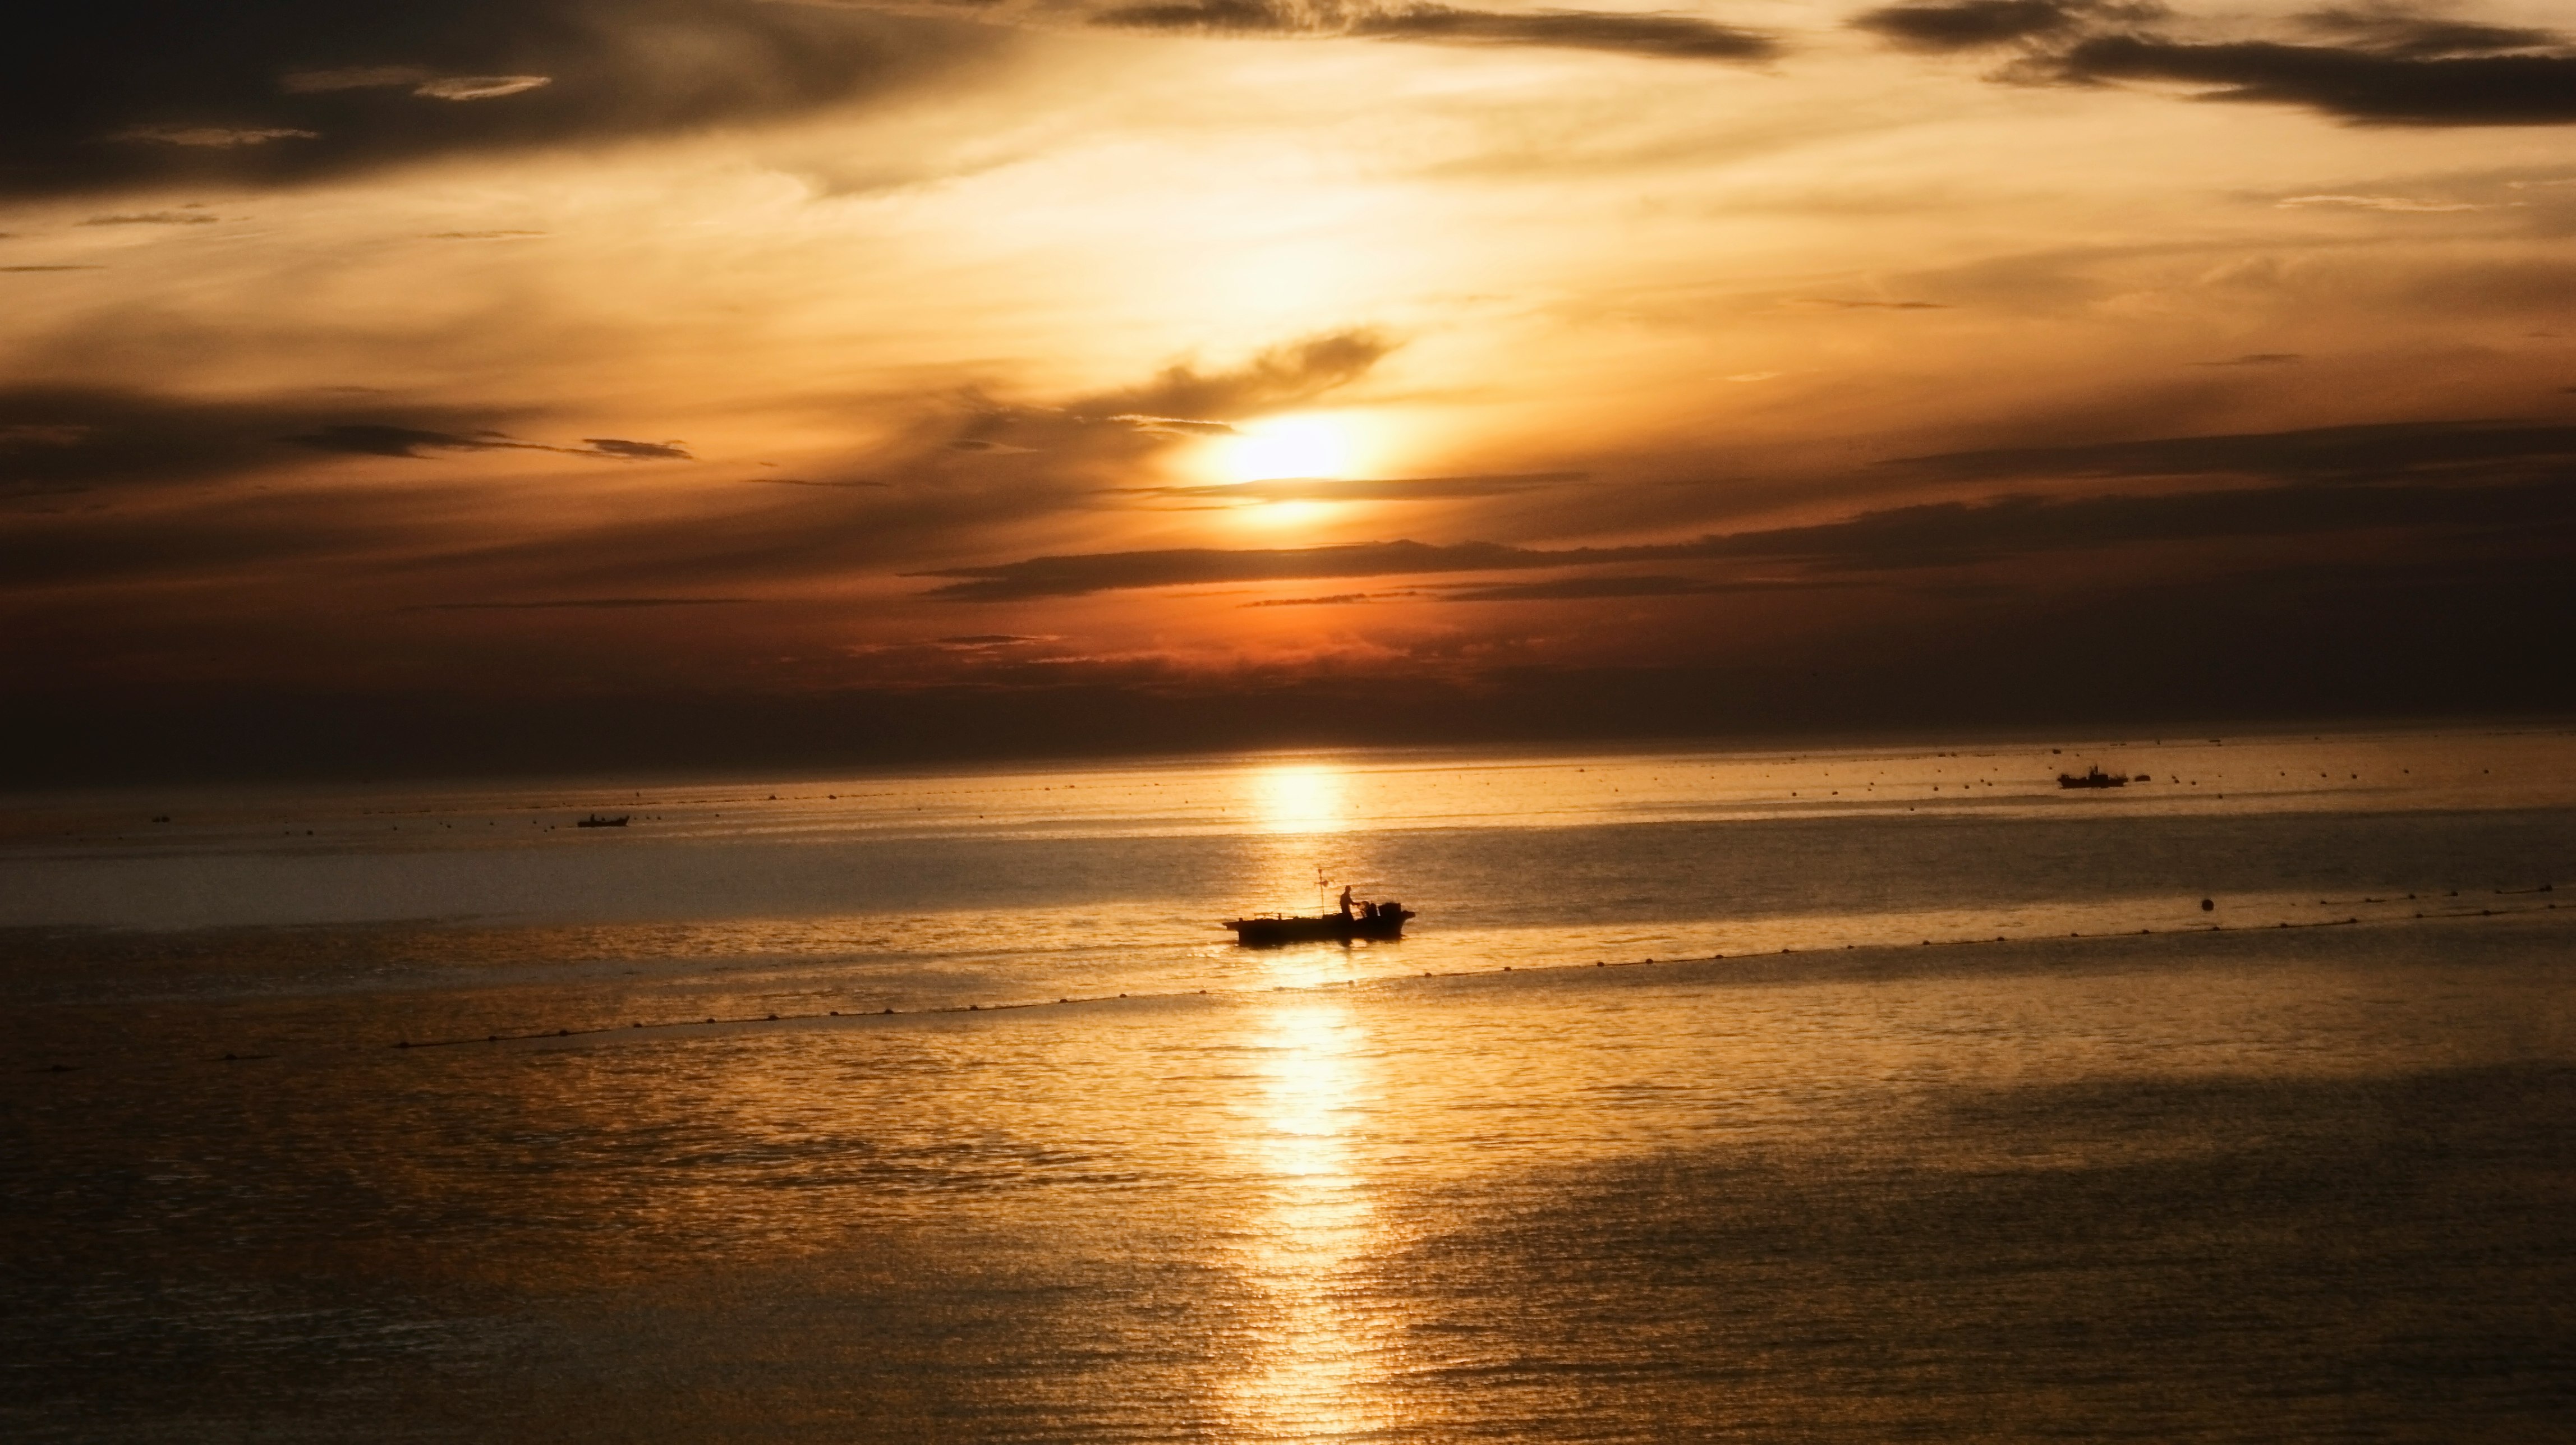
x=596 y=820
x=2094 y=778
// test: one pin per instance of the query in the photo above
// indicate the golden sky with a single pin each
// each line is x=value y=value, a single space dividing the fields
x=1034 y=351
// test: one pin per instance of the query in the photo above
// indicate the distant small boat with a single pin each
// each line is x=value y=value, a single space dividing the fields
x=1355 y=920
x=2093 y=778
x=597 y=821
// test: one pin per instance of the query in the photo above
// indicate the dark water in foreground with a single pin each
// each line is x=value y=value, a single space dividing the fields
x=2159 y=1181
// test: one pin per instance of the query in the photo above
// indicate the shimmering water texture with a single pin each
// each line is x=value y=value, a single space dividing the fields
x=1980 y=1129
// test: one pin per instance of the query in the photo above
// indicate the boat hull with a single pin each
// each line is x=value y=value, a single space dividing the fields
x=1330 y=928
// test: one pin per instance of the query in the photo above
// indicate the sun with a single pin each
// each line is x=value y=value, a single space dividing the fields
x=1281 y=447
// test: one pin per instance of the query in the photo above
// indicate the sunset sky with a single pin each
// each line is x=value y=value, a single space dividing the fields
x=704 y=382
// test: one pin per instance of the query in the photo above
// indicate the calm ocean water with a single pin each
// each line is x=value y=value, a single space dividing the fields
x=1861 y=1095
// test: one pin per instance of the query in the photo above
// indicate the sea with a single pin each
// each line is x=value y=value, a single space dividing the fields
x=1864 y=1093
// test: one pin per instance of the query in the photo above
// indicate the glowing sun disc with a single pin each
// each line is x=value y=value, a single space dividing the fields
x=1288 y=446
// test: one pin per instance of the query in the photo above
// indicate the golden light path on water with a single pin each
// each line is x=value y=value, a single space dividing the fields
x=1315 y=1356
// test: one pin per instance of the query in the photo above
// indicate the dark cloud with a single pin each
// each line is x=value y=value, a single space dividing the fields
x=2344 y=453
x=634 y=451
x=1183 y=400
x=1954 y=533
x=376 y=439
x=1282 y=376
x=2385 y=66
x=1973 y=25
x=53 y=437
x=2258 y=358
x=852 y=482
x=1080 y=574
x=1563 y=588
x=600 y=604
x=154 y=218
x=1837 y=303
x=1673 y=37
x=1677 y=37
x=2357 y=84
x=280 y=91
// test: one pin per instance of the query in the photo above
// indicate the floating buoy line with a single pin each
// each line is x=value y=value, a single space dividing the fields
x=714 y=1020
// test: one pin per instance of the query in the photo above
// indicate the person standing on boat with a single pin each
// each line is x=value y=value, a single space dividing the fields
x=1346 y=900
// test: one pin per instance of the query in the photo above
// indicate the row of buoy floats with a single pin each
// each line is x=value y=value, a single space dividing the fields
x=2206 y=904
x=713 y=1019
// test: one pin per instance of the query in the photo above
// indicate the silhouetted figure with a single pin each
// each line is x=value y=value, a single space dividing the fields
x=1346 y=901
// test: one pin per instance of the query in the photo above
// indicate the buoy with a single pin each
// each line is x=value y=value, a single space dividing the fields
x=2206 y=905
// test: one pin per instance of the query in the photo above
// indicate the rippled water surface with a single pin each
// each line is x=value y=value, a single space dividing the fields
x=1943 y=1109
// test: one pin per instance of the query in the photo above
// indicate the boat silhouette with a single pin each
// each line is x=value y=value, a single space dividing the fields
x=2093 y=778
x=1354 y=920
x=597 y=821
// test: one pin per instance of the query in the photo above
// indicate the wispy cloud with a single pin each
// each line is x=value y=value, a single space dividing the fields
x=2375 y=203
x=1845 y=303
x=153 y=218
x=1672 y=37
x=2420 y=475
x=1339 y=489
x=213 y=137
x=479 y=87
x=382 y=440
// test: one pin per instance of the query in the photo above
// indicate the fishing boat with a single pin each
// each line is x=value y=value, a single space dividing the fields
x=1356 y=919
x=597 y=821
x=2093 y=778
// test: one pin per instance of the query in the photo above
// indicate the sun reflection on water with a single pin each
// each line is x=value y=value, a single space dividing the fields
x=1299 y=798
x=1315 y=1357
